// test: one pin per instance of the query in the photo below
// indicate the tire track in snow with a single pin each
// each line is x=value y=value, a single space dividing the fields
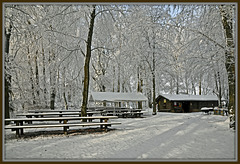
x=138 y=151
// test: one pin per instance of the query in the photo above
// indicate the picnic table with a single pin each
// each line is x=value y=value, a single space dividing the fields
x=123 y=112
x=126 y=114
x=111 y=108
x=19 y=123
x=53 y=113
x=47 y=110
x=120 y=111
x=207 y=110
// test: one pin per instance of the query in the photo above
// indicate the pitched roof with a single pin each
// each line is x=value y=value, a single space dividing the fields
x=186 y=97
x=116 y=96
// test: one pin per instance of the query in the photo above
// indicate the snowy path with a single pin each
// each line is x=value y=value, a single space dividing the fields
x=166 y=136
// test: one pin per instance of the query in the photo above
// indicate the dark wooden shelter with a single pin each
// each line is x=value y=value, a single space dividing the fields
x=184 y=102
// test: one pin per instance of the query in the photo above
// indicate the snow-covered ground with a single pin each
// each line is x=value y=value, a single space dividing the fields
x=162 y=137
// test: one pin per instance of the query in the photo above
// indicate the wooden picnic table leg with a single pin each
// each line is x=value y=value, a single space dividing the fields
x=21 y=123
x=17 y=130
x=90 y=115
x=106 y=120
x=65 y=127
x=18 y=123
x=60 y=116
x=29 y=122
x=101 y=120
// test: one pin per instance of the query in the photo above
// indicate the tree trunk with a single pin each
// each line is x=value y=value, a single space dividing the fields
x=154 y=96
x=171 y=85
x=193 y=89
x=44 y=79
x=64 y=89
x=113 y=79
x=7 y=77
x=37 y=76
x=200 y=86
x=102 y=84
x=119 y=85
x=153 y=82
x=149 y=94
x=52 y=83
x=86 y=65
x=65 y=100
x=123 y=86
x=52 y=99
x=229 y=52
x=139 y=88
x=177 y=92
x=219 y=89
x=31 y=78
x=186 y=83
x=52 y=92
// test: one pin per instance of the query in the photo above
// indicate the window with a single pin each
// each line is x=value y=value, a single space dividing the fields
x=164 y=103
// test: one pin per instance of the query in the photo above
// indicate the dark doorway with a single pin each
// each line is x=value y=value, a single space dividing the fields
x=186 y=107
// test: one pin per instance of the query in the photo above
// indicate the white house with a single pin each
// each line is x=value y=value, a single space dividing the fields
x=117 y=99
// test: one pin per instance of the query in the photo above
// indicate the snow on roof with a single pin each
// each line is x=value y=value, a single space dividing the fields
x=186 y=97
x=116 y=96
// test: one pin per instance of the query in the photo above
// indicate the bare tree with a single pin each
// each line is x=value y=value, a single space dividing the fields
x=87 y=61
x=227 y=12
x=7 y=76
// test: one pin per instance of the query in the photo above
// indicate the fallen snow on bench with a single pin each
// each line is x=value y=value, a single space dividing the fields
x=165 y=136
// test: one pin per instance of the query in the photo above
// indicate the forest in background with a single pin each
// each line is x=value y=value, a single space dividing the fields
x=151 y=49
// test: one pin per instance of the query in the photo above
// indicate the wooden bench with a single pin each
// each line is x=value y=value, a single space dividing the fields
x=60 y=114
x=19 y=126
x=62 y=111
x=48 y=110
x=90 y=109
x=65 y=126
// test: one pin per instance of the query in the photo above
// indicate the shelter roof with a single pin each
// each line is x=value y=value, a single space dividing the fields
x=186 y=97
x=116 y=96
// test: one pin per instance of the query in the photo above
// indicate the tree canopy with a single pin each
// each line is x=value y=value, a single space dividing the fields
x=152 y=49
